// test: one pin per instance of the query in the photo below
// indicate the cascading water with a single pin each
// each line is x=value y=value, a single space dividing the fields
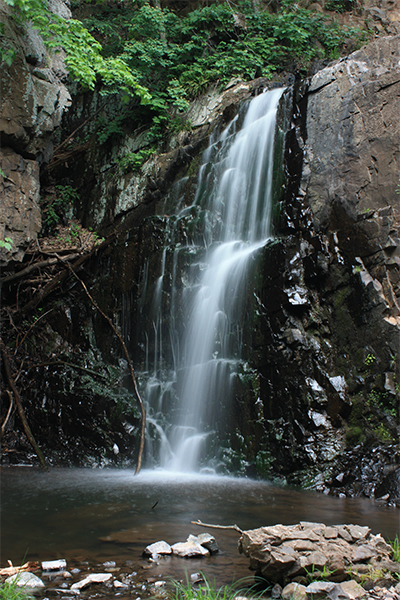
x=234 y=204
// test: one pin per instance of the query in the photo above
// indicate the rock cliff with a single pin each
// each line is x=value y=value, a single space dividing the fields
x=33 y=100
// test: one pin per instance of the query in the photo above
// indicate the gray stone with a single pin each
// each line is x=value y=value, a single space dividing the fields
x=324 y=589
x=189 y=549
x=294 y=591
x=353 y=589
x=206 y=540
x=54 y=565
x=92 y=578
x=157 y=548
x=26 y=580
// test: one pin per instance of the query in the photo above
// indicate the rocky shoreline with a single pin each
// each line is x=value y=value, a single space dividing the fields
x=298 y=562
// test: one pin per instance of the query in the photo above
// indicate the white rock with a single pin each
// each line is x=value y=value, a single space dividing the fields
x=26 y=580
x=188 y=549
x=119 y=585
x=54 y=565
x=92 y=578
x=158 y=548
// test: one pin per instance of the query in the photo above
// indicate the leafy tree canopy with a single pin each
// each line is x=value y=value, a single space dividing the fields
x=135 y=47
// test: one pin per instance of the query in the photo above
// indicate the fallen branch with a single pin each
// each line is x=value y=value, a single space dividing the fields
x=8 y=415
x=59 y=278
x=34 y=266
x=21 y=412
x=30 y=329
x=234 y=527
x=11 y=570
x=132 y=372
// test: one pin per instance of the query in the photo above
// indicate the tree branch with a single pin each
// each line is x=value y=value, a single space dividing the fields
x=234 y=527
x=21 y=412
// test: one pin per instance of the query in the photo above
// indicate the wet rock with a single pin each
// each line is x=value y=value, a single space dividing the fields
x=119 y=585
x=189 y=549
x=92 y=578
x=158 y=548
x=29 y=581
x=54 y=565
x=206 y=540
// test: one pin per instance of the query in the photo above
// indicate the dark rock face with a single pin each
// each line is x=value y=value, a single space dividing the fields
x=327 y=335
x=33 y=99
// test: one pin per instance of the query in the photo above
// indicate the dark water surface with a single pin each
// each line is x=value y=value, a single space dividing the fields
x=101 y=515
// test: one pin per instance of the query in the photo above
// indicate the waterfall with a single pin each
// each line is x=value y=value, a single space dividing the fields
x=229 y=220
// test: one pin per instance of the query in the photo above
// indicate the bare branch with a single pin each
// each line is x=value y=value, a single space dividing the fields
x=234 y=527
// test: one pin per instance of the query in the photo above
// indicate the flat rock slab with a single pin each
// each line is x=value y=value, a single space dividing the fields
x=54 y=565
x=158 y=548
x=284 y=553
x=92 y=578
x=189 y=549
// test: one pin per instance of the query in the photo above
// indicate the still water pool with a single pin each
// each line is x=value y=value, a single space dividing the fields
x=92 y=516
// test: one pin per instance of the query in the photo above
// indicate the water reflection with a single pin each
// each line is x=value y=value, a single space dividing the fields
x=99 y=515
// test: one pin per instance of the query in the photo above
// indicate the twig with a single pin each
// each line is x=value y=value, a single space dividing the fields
x=8 y=415
x=59 y=278
x=132 y=372
x=30 y=329
x=234 y=527
x=21 y=412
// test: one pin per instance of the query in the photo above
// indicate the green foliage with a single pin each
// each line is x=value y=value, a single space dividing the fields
x=83 y=53
x=396 y=549
x=369 y=360
x=12 y=591
x=340 y=6
x=205 y=591
x=6 y=244
x=316 y=574
x=134 y=160
x=178 y=58
x=132 y=47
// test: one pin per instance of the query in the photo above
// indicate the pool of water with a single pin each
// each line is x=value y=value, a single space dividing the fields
x=92 y=516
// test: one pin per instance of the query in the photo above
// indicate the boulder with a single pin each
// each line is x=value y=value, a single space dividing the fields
x=25 y=580
x=283 y=553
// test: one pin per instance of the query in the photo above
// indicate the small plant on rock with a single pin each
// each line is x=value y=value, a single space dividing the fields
x=396 y=549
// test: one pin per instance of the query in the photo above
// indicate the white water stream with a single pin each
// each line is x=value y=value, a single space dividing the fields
x=234 y=199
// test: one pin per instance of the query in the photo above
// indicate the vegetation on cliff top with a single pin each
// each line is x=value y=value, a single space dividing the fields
x=139 y=49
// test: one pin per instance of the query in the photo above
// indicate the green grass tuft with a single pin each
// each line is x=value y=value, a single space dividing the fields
x=206 y=591
x=12 y=591
x=396 y=549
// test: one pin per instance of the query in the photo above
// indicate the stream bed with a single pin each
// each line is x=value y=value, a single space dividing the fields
x=91 y=516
